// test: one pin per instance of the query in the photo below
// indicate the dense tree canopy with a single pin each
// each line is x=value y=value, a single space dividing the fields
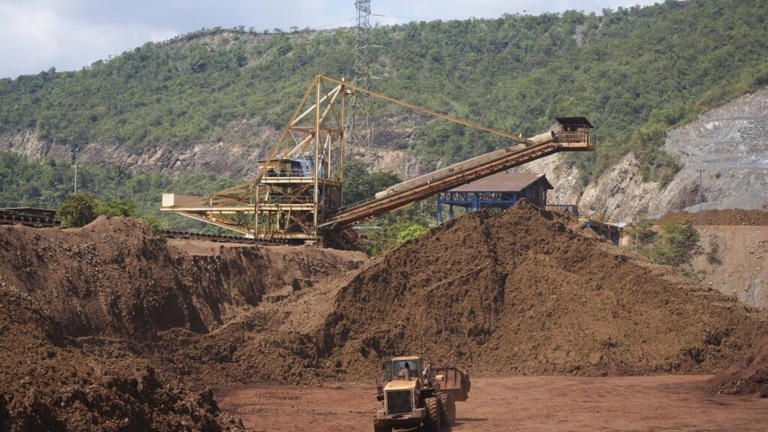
x=47 y=184
x=634 y=72
x=359 y=184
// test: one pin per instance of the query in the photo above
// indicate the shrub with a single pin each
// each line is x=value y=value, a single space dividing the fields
x=411 y=232
x=118 y=207
x=675 y=244
x=713 y=254
x=78 y=209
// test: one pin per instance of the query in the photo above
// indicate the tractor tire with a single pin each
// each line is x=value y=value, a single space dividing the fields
x=448 y=409
x=432 y=422
x=380 y=426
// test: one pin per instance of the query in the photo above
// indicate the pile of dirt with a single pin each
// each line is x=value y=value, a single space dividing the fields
x=53 y=382
x=275 y=341
x=747 y=376
x=108 y=327
x=115 y=277
x=532 y=292
x=719 y=217
x=96 y=322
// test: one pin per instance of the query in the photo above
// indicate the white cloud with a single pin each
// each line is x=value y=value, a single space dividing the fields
x=35 y=38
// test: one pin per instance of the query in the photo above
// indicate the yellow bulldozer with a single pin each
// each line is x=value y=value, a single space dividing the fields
x=413 y=395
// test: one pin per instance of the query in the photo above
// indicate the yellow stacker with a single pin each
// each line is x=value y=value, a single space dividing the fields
x=297 y=193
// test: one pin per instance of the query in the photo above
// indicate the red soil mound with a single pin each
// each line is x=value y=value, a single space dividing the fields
x=86 y=314
x=52 y=382
x=747 y=376
x=116 y=278
x=719 y=217
x=531 y=292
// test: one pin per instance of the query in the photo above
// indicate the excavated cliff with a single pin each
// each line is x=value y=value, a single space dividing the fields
x=730 y=143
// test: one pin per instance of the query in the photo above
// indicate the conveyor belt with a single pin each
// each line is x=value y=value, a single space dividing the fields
x=455 y=175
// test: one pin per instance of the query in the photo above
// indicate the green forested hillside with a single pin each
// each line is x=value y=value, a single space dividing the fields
x=633 y=72
x=47 y=183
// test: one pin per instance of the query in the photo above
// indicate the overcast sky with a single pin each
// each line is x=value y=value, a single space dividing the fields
x=36 y=35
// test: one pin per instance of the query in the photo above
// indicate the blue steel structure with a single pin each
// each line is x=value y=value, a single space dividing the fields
x=501 y=191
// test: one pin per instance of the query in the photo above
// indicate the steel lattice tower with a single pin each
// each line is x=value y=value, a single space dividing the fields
x=360 y=131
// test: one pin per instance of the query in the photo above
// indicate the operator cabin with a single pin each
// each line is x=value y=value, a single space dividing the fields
x=501 y=190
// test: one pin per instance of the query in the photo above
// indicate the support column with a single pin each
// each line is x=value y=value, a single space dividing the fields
x=341 y=147
x=476 y=202
x=439 y=216
x=256 y=213
x=316 y=196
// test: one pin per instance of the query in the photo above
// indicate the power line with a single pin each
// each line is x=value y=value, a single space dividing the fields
x=400 y=16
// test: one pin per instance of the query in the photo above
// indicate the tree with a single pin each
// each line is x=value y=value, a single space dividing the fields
x=118 y=207
x=675 y=244
x=643 y=232
x=78 y=210
x=359 y=184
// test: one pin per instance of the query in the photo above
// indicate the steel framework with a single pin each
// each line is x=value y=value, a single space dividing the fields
x=360 y=132
x=298 y=182
x=297 y=192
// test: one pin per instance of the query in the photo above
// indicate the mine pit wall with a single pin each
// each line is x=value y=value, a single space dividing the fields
x=740 y=267
x=116 y=278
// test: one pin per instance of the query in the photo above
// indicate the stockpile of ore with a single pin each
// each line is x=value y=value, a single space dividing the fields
x=533 y=292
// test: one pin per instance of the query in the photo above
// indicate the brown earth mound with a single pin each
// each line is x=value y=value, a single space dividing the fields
x=52 y=382
x=719 y=217
x=531 y=292
x=87 y=314
x=114 y=277
x=747 y=376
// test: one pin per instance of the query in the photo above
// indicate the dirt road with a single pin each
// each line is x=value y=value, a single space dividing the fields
x=658 y=403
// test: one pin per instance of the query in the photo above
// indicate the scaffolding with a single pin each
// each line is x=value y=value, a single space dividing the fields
x=297 y=183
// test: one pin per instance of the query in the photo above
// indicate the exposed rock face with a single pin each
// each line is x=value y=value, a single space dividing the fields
x=227 y=159
x=729 y=143
x=564 y=177
x=619 y=194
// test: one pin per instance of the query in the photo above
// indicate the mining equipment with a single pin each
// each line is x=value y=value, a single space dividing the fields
x=29 y=216
x=297 y=193
x=415 y=396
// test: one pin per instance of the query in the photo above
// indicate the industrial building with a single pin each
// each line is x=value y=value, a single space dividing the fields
x=501 y=190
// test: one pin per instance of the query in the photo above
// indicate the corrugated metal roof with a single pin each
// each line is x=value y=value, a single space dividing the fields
x=578 y=121
x=502 y=182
